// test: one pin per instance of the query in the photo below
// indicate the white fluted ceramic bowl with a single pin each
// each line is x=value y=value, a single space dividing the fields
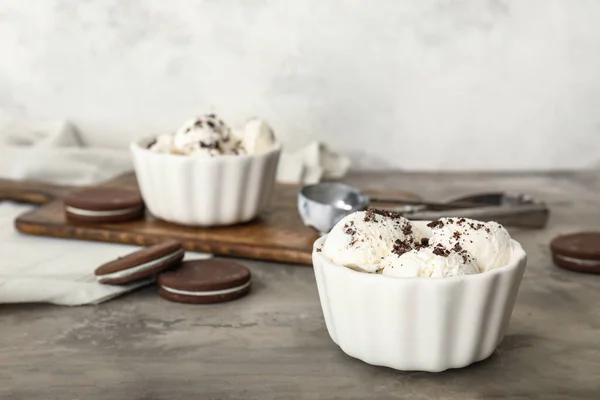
x=417 y=324
x=204 y=191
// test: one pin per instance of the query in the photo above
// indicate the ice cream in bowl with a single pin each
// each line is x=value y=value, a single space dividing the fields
x=417 y=295
x=206 y=173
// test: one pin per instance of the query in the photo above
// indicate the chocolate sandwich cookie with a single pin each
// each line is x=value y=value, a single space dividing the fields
x=205 y=281
x=577 y=251
x=104 y=205
x=141 y=264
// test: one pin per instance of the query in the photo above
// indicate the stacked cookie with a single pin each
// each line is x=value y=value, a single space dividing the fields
x=194 y=281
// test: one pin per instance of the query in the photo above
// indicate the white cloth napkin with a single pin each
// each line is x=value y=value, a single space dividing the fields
x=46 y=270
x=35 y=269
x=53 y=152
x=311 y=164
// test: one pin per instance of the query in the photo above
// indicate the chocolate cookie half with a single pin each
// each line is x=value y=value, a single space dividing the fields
x=141 y=264
x=577 y=251
x=205 y=281
x=104 y=205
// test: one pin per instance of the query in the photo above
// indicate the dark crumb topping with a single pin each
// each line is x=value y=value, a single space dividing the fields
x=476 y=226
x=211 y=116
x=152 y=143
x=436 y=224
x=421 y=245
x=407 y=244
x=210 y=146
x=402 y=246
x=461 y=252
x=371 y=213
x=349 y=229
x=319 y=249
x=198 y=123
x=440 y=250
x=211 y=124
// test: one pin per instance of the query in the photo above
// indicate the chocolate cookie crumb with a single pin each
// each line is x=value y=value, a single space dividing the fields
x=349 y=230
x=210 y=146
x=436 y=224
x=371 y=213
x=475 y=226
x=441 y=251
x=152 y=143
x=401 y=247
x=456 y=235
x=319 y=249
x=407 y=229
x=198 y=123
x=424 y=241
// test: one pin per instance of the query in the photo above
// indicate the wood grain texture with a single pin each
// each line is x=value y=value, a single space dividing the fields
x=277 y=235
x=30 y=192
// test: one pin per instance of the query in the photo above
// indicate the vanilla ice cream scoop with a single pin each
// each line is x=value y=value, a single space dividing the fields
x=488 y=242
x=209 y=136
x=429 y=262
x=363 y=239
x=205 y=136
x=257 y=136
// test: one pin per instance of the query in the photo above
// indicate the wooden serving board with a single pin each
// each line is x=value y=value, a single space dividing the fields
x=277 y=235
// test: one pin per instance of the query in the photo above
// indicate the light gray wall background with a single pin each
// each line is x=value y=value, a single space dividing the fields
x=414 y=84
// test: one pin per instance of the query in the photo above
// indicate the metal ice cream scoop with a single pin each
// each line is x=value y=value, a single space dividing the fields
x=323 y=205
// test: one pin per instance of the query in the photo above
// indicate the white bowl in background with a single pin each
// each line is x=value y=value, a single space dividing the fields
x=417 y=324
x=204 y=191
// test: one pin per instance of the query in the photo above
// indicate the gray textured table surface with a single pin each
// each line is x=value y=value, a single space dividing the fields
x=273 y=344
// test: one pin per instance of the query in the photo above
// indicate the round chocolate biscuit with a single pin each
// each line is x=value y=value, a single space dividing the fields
x=141 y=264
x=577 y=251
x=205 y=281
x=104 y=205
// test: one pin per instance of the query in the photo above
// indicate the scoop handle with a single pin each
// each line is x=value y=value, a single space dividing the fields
x=524 y=216
x=432 y=205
